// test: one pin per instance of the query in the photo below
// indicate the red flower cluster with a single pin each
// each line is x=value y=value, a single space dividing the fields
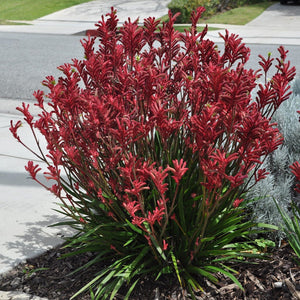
x=295 y=167
x=151 y=115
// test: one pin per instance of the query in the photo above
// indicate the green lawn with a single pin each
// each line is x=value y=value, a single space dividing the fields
x=181 y=28
x=32 y=9
x=239 y=16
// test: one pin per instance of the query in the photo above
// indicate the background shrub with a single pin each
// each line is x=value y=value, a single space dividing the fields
x=185 y=7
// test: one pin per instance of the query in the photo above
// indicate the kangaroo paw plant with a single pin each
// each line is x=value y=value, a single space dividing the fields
x=151 y=141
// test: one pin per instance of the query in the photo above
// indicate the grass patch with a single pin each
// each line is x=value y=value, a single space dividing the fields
x=240 y=15
x=236 y=16
x=32 y=9
x=181 y=28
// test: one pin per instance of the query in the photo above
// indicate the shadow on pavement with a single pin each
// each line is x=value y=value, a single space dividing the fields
x=37 y=238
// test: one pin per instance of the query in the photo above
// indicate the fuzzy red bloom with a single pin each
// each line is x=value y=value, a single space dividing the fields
x=32 y=169
x=14 y=129
x=56 y=190
x=266 y=63
x=165 y=245
x=132 y=207
x=237 y=202
x=158 y=177
x=179 y=170
x=27 y=115
x=295 y=167
x=261 y=174
x=138 y=187
x=53 y=174
x=155 y=216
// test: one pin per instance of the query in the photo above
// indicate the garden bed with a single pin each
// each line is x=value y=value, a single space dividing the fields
x=276 y=278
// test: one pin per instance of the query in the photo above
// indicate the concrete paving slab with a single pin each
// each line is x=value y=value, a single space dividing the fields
x=26 y=209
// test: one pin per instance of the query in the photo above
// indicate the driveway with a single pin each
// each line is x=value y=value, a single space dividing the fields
x=92 y=11
x=279 y=24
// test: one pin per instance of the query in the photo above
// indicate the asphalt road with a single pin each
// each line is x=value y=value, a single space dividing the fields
x=26 y=59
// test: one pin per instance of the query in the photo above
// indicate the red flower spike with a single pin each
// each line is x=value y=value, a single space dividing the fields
x=14 y=129
x=27 y=115
x=165 y=245
x=155 y=216
x=261 y=174
x=237 y=202
x=32 y=169
x=266 y=63
x=295 y=167
x=132 y=207
x=138 y=221
x=138 y=186
x=53 y=174
x=81 y=220
x=150 y=25
x=158 y=177
x=234 y=49
x=132 y=39
x=56 y=190
x=196 y=15
x=39 y=96
x=179 y=169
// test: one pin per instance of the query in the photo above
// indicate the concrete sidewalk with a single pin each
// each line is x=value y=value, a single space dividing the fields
x=26 y=209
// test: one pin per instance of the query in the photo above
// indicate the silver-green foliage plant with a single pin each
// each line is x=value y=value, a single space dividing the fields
x=279 y=184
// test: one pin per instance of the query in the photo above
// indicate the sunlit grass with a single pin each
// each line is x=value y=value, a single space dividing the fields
x=32 y=9
x=240 y=15
x=181 y=28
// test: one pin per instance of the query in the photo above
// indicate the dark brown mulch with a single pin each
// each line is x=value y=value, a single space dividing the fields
x=278 y=278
